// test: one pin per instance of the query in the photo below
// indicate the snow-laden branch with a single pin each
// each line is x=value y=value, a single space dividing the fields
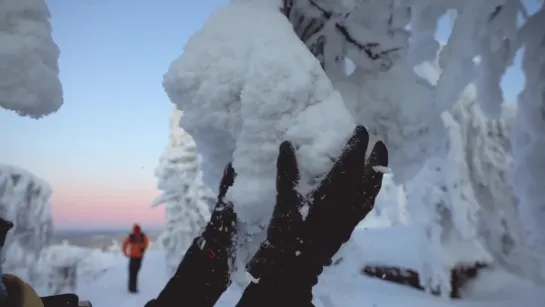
x=242 y=95
x=529 y=132
x=29 y=78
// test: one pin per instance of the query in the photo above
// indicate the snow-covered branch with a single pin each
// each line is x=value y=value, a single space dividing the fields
x=242 y=96
x=29 y=79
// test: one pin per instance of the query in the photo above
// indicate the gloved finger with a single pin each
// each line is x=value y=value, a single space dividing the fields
x=333 y=201
x=369 y=181
x=287 y=170
x=224 y=217
x=229 y=216
x=379 y=155
x=227 y=180
x=338 y=181
x=286 y=216
x=372 y=177
x=5 y=225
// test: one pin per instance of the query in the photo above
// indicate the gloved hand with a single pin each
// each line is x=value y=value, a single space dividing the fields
x=296 y=249
x=345 y=196
x=5 y=226
x=204 y=272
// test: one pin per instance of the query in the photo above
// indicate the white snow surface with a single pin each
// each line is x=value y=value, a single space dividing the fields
x=341 y=285
x=29 y=72
x=241 y=99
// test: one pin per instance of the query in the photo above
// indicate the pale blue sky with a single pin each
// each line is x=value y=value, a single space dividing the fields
x=113 y=125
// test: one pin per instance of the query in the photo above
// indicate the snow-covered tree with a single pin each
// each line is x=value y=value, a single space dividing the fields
x=64 y=266
x=390 y=206
x=488 y=154
x=241 y=98
x=186 y=199
x=29 y=81
x=24 y=199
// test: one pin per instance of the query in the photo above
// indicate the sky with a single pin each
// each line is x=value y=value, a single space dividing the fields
x=100 y=149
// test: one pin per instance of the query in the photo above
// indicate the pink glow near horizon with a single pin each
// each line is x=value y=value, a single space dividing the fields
x=105 y=206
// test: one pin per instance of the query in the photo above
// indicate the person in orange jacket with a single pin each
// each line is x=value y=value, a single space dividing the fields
x=134 y=247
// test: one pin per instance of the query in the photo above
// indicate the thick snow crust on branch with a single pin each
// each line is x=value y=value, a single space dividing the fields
x=242 y=96
x=29 y=78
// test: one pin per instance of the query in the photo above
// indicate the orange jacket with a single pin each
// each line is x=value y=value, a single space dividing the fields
x=135 y=244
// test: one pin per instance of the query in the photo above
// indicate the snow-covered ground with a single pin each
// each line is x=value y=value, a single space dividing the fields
x=341 y=285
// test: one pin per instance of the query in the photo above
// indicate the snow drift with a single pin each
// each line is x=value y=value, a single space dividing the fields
x=24 y=199
x=29 y=81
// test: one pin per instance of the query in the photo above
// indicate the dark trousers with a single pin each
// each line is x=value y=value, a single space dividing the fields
x=134 y=268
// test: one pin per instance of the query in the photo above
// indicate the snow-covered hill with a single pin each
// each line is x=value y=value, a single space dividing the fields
x=340 y=286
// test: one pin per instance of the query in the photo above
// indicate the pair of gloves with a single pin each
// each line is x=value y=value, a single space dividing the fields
x=292 y=257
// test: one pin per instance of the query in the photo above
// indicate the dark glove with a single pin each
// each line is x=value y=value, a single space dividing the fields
x=285 y=227
x=204 y=273
x=221 y=228
x=293 y=256
x=277 y=263
x=344 y=197
x=5 y=226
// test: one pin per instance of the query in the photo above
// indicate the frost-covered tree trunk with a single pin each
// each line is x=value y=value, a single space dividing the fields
x=529 y=133
x=488 y=152
x=24 y=199
x=442 y=203
x=29 y=81
x=186 y=200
